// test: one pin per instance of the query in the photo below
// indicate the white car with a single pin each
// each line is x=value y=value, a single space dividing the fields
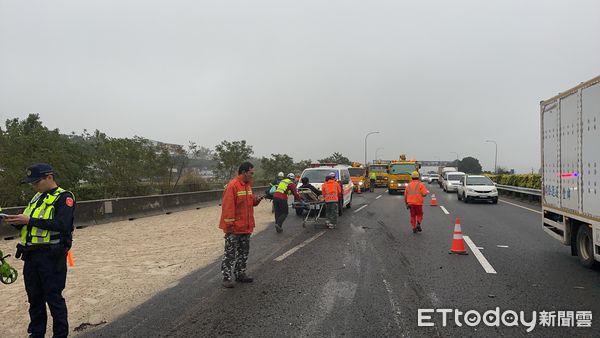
x=452 y=180
x=477 y=187
x=424 y=178
x=433 y=178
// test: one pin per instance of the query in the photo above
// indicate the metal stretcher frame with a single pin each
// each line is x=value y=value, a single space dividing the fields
x=314 y=208
x=312 y=204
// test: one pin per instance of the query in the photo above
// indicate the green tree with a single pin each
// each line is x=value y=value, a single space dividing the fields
x=336 y=158
x=469 y=165
x=229 y=155
x=126 y=167
x=301 y=165
x=275 y=164
x=28 y=141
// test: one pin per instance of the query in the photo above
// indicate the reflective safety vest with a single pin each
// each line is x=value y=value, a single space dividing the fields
x=41 y=210
x=372 y=175
x=282 y=187
x=414 y=193
x=331 y=191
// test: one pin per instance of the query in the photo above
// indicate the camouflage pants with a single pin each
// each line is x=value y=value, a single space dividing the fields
x=331 y=212
x=237 y=248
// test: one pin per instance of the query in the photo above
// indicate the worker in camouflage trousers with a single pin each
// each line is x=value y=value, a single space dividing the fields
x=237 y=222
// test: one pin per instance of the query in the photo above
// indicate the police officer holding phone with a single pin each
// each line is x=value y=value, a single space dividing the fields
x=46 y=227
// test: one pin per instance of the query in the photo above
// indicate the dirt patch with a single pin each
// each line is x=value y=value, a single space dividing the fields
x=120 y=265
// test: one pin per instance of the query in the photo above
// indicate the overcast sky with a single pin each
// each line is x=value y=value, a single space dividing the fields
x=306 y=78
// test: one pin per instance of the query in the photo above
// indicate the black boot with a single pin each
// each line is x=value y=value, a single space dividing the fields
x=243 y=278
x=227 y=283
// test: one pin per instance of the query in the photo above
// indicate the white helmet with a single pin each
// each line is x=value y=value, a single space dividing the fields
x=291 y=176
x=281 y=174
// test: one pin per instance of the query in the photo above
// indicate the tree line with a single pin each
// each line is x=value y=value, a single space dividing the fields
x=96 y=166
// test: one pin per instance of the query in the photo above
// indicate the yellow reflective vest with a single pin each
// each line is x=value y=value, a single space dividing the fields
x=42 y=210
x=282 y=187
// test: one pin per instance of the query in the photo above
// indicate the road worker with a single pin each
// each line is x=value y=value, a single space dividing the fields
x=280 y=199
x=237 y=222
x=413 y=197
x=331 y=193
x=372 y=181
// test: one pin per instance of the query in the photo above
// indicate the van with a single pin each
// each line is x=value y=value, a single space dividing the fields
x=452 y=180
x=442 y=172
x=316 y=177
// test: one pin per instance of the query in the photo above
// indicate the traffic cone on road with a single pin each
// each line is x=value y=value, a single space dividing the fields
x=458 y=244
x=433 y=202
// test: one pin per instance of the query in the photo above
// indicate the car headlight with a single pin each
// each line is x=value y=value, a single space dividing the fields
x=494 y=190
x=406 y=184
x=360 y=183
x=392 y=181
x=470 y=190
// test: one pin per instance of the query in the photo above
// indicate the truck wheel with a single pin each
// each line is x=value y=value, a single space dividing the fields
x=495 y=200
x=349 y=205
x=585 y=246
x=459 y=196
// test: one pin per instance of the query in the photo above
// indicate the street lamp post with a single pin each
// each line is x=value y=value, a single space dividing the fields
x=376 y=151
x=373 y=132
x=495 y=157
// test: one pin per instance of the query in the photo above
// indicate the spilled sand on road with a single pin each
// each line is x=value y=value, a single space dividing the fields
x=122 y=264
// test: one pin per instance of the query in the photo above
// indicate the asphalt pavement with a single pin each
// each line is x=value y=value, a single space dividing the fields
x=372 y=275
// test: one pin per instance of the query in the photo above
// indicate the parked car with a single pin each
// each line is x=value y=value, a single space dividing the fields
x=433 y=178
x=316 y=177
x=424 y=178
x=452 y=180
x=477 y=187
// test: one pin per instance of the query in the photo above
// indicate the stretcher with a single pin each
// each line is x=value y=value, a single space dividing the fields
x=313 y=205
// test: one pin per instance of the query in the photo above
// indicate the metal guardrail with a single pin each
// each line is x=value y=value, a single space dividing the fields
x=527 y=191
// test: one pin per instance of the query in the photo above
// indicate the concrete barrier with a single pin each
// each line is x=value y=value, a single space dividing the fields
x=95 y=212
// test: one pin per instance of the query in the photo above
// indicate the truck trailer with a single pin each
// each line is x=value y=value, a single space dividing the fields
x=570 y=139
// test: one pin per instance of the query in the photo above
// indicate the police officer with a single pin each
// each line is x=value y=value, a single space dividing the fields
x=46 y=227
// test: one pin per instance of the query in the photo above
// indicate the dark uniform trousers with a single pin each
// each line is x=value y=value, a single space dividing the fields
x=237 y=248
x=45 y=274
x=281 y=210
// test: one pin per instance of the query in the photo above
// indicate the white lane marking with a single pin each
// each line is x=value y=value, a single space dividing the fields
x=445 y=211
x=484 y=262
x=502 y=246
x=378 y=197
x=395 y=307
x=520 y=206
x=359 y=209
x=298 y=247
x=480 y=247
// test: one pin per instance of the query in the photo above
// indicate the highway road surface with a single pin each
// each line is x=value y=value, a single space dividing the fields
x=371 y=277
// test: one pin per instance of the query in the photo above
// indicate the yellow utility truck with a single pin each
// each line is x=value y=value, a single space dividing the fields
x=380 y=168
x=358 y=175
x=399 y=174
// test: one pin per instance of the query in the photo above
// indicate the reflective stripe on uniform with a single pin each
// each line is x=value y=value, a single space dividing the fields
x=229 y=220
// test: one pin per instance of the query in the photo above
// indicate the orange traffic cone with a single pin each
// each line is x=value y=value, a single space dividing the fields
x=70 y=258
x=458 y=244
x=433 y=202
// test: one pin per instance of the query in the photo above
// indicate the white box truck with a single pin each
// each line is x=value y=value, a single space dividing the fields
x=570 y=141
